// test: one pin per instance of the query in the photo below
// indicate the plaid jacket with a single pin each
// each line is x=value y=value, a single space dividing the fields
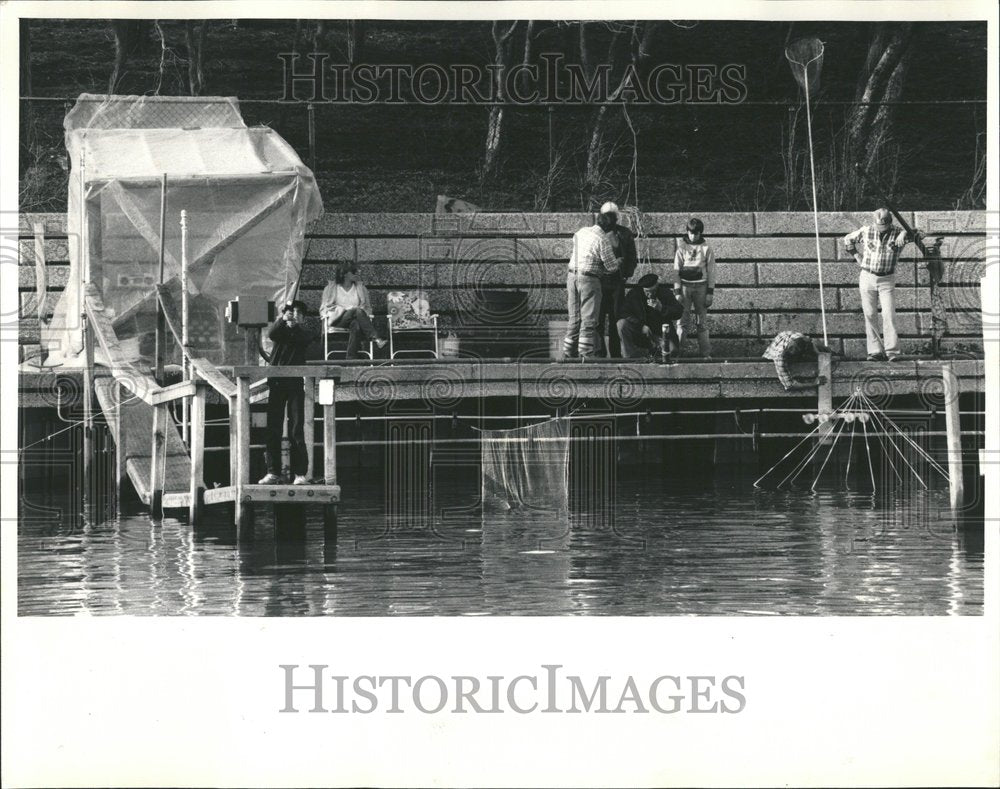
x=879 y=251
x=593 y=252
x=779 y=353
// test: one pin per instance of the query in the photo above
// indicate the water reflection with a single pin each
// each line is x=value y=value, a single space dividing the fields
x=701 y=549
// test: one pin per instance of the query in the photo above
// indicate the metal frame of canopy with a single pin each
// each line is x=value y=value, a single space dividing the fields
x=91 y=261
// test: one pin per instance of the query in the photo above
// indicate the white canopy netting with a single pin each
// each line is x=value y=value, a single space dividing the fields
x=247 y=198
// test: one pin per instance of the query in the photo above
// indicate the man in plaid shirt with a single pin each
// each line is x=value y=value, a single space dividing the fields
x=593 y=257
x=789 y=347
x=876 y=247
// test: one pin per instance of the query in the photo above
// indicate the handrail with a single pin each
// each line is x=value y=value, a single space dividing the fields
x=140 y=384
x=212 y=376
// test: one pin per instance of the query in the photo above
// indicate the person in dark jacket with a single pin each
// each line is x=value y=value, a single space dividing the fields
x=645 y=310
x=290 y=337
x=613 y=284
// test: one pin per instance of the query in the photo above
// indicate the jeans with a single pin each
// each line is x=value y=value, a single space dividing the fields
x=696 y=315
x=361 y=329
x=879 y=291
x=584 y=304
x=286 y=393
x=612 y=294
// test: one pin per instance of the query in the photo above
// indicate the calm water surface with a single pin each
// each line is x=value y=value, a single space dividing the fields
x=715 y=550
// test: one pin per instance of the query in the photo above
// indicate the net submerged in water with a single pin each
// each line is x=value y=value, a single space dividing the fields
x=526 y=467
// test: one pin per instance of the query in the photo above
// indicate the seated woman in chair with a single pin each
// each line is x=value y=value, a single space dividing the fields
x=346 y=305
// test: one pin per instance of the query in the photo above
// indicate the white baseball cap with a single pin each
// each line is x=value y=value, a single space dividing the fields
x=609 y=208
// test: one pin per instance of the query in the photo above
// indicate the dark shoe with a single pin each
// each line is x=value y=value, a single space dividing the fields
x=877 y=357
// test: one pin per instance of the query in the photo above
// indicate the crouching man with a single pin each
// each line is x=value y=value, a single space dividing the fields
x=291 y=337
x=646 y=309
x=790 y=347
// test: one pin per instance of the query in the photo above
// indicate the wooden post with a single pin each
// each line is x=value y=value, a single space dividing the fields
x=309 y=426
x=157 y=460
x=330 y=466
x=242 y=448
x=953 y=428
x=185 y=405
x=251 y=336
x=234 y=466
x=330 y=442
x=161 y=322
x=824 y=392
x=88 y=413
x=197 y=454
x=121 y=471
x=311 y=120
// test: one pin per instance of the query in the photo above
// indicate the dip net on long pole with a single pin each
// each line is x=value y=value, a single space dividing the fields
x=526 y=466
x=805 y=56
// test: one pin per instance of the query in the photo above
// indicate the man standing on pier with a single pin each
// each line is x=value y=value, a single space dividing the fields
x=880 y=244
x=592 y=260
x=291 y=338
x=613 y=285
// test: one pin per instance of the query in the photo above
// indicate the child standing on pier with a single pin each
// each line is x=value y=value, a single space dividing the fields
x=694 y=263
x=291 y=337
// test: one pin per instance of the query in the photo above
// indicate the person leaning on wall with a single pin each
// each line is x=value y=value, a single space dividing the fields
x=880 y=244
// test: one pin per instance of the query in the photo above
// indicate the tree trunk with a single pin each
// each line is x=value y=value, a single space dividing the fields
x=881 y=80
x=494 y=123
x=356 y=30
x=25 y=58
x=128 y=35
x=195 y=45
x=596 y=158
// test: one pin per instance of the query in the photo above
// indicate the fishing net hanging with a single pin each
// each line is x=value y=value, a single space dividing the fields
x=806 y=59
x=862 y=426
x=526 y=466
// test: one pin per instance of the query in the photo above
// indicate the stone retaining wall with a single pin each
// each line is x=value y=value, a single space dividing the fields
x=766 y=276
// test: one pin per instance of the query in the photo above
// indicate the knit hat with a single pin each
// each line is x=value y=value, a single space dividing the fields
x=648 y=280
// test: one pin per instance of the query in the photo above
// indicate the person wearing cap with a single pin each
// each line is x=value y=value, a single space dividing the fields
x=790 y=347
x=592 y=259
x=876 y=248
x=290 y=338
x=347 y=305
x=694 y=264
x=613 y=284
x=646 y=309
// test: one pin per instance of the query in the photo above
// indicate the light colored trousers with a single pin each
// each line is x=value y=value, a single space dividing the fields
x=696 y=315
x=583 y=298
x=879 y=291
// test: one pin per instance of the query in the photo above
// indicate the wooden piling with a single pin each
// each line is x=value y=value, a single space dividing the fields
x=309 y=425
x=824 y=393
x=161 y=321
x=88 y=413
x=234 y=432
x=156 y=460
x=197 y=455
x=330 y=443
x=953 y=428
x=242 y=449
x=121 y=472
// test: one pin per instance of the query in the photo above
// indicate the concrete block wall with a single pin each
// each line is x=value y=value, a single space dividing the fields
x=766 y=278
